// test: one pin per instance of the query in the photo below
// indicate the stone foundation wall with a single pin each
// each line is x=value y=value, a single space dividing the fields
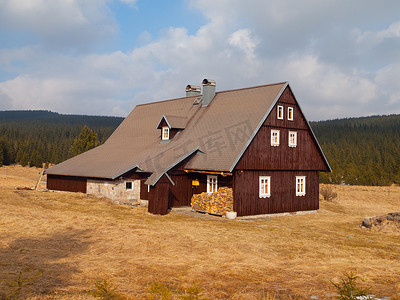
x=115 y=190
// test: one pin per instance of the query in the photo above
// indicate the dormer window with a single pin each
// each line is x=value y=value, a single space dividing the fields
x=170 y=126
x=165 y=133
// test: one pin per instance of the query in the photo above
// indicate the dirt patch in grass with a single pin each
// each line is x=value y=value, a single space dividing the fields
x=62 y=243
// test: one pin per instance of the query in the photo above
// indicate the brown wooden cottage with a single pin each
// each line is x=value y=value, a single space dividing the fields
x=255 y=140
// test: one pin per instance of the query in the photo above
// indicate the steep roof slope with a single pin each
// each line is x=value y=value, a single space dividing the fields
x=135 y=139
x=214 y=136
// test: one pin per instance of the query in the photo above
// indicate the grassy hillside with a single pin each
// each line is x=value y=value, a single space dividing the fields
x=362 y=151
x=62 y=243
x=35 y=137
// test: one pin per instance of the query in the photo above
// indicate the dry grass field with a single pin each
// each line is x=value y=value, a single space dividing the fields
x=56 y=245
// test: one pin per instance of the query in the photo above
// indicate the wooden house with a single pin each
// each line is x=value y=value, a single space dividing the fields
x=254 y=140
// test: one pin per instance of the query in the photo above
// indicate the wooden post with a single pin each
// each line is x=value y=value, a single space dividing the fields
x=40 y=179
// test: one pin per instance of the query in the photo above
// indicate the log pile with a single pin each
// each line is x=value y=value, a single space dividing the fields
x=217 y=203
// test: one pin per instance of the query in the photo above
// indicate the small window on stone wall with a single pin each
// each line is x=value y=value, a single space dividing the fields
x=129 y=185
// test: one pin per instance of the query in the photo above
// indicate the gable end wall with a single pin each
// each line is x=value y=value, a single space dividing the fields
x=260 y=155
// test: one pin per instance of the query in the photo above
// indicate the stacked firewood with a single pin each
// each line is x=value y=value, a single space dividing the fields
x=217 y=203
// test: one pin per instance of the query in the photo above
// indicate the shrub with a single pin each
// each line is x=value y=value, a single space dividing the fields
x=193 y=292
x=327 y=193
x=348 y=289
x=21 y=281
x=160 y=291
x=105 y=289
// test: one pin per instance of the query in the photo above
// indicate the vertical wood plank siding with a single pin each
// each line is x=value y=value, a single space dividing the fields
x=283 y=192
x=282 y=163
x=144 y=194
x=66 y=183
x=158 y=197
x=260 y=155
x=287 y=100
x=181 y=193
x=183 y=190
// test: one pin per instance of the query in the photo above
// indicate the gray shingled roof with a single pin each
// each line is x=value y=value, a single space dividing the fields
x=215 y=136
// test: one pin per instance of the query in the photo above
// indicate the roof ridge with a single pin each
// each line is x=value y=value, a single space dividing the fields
x=219 y=92
x=174 y=99
x=175 y=116
x=252 y=87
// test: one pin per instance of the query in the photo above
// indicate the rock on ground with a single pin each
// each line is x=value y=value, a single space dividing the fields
x=388 y=223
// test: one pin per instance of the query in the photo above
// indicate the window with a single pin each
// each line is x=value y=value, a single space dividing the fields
x=265 y=187
x=292 y=138
x=212 y=184
x=165 y=133
x=128 y=185
x=290 y=113
x=280 y=112
x=274 y=137
x=300 y=185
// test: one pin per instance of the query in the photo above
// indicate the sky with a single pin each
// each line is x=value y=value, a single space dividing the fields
x=103 y=57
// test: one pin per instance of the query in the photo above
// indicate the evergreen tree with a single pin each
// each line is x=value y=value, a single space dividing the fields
x=50 y=134
x=36 y=159
x=86 y=140
x=25 y=159
x=1 y=155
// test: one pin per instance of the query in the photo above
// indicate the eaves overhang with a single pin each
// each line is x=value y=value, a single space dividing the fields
x=155 y=180
x=130 y=169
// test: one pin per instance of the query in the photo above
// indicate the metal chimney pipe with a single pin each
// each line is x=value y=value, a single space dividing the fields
x=192 y=90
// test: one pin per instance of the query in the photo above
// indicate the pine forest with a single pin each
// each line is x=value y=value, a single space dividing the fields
x=361 y=151
x=36 y=137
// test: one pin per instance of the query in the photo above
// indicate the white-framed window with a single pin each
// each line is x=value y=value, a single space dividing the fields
x=212 y=183
x=300 y=185
x=292 y=138
x=165 y=133
x=274 y=137
x=264 y=186
x=128 y=185
x=280 y=112
x=290 y=113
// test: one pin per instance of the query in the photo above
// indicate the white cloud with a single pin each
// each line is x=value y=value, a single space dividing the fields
x=325 y=91
x=339 y=63
x=388 y=80
x=61 y=24
x=129 y=2
x=245 y=41
x=377 y=37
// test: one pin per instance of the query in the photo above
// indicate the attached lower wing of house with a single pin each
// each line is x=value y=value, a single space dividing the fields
x=254 y=140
